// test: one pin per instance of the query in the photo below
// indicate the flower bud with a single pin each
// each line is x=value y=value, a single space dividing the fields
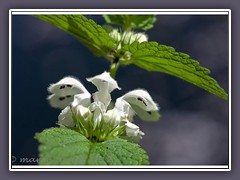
x=133 y=131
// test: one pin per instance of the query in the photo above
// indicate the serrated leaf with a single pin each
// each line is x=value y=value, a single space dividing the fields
x=144 y=22
x=86 y=30
x=154 y=57
x=117 y=152
x=61 y=146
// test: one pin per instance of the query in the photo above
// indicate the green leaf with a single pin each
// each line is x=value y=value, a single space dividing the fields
x=61 y=146
x=117 y=152
x=144 y=22
x=154 y=57
x=86 y=30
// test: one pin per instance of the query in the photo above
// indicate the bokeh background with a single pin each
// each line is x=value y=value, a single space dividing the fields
x=193 y=129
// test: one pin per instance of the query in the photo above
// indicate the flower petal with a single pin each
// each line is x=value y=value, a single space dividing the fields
x=132 y=130
x=141 y=37
x=104 y=82
x=146 y=115
x=112 y=117
x=102 y=96
x=64 y=91
x=130 y=37
x=98 y=109
x=124 y=109
x=83 y=112
x=81 y=99
x=65 y=118
x=115 y=35
x=141 y=98
x=142 y=104
x=67 y=86
x=60 y=101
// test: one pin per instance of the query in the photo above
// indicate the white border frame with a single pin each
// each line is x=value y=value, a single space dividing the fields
x=119 y=11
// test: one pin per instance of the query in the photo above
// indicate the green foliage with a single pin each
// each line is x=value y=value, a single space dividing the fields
x=61 y=146
x=144 y=22
x=117 y=152
x=150 y=56
x=86 y=30
x=154 y=57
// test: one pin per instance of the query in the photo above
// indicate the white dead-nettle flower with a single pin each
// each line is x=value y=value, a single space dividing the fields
x=94 y=119
x=140 y=102
x=127 y=37
x=110 y=115
x=65 y=118
x=115 y=35
x=105 y=85
x=63 y=92
x=98 y=109
x=141 y=37
x=133 y=131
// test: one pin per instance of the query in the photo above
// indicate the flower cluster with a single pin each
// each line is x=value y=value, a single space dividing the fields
x=127 y=37
x=96 y=120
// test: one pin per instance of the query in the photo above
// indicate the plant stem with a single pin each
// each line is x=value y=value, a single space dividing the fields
x=113 y=69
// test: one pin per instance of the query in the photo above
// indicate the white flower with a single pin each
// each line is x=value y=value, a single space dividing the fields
x=130 y=37
x=99 y=109
x=141 y=37
x=94 y=120
x=65 y=118
x=83 y=99
x=133 y=131
x=82 y=112
x=63 y=92
x=69 y=91
x=127 y=37
x=104 y=82
x=140 y=102
x=115 y=35
x=105 y=85
x=112 y=118
x=124 y=109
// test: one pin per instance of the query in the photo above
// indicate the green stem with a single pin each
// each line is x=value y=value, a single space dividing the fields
x=113 y=69
x=127 y=24
x=120 y=131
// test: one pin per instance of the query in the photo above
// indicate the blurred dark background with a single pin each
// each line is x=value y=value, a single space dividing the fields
x=193 y=129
